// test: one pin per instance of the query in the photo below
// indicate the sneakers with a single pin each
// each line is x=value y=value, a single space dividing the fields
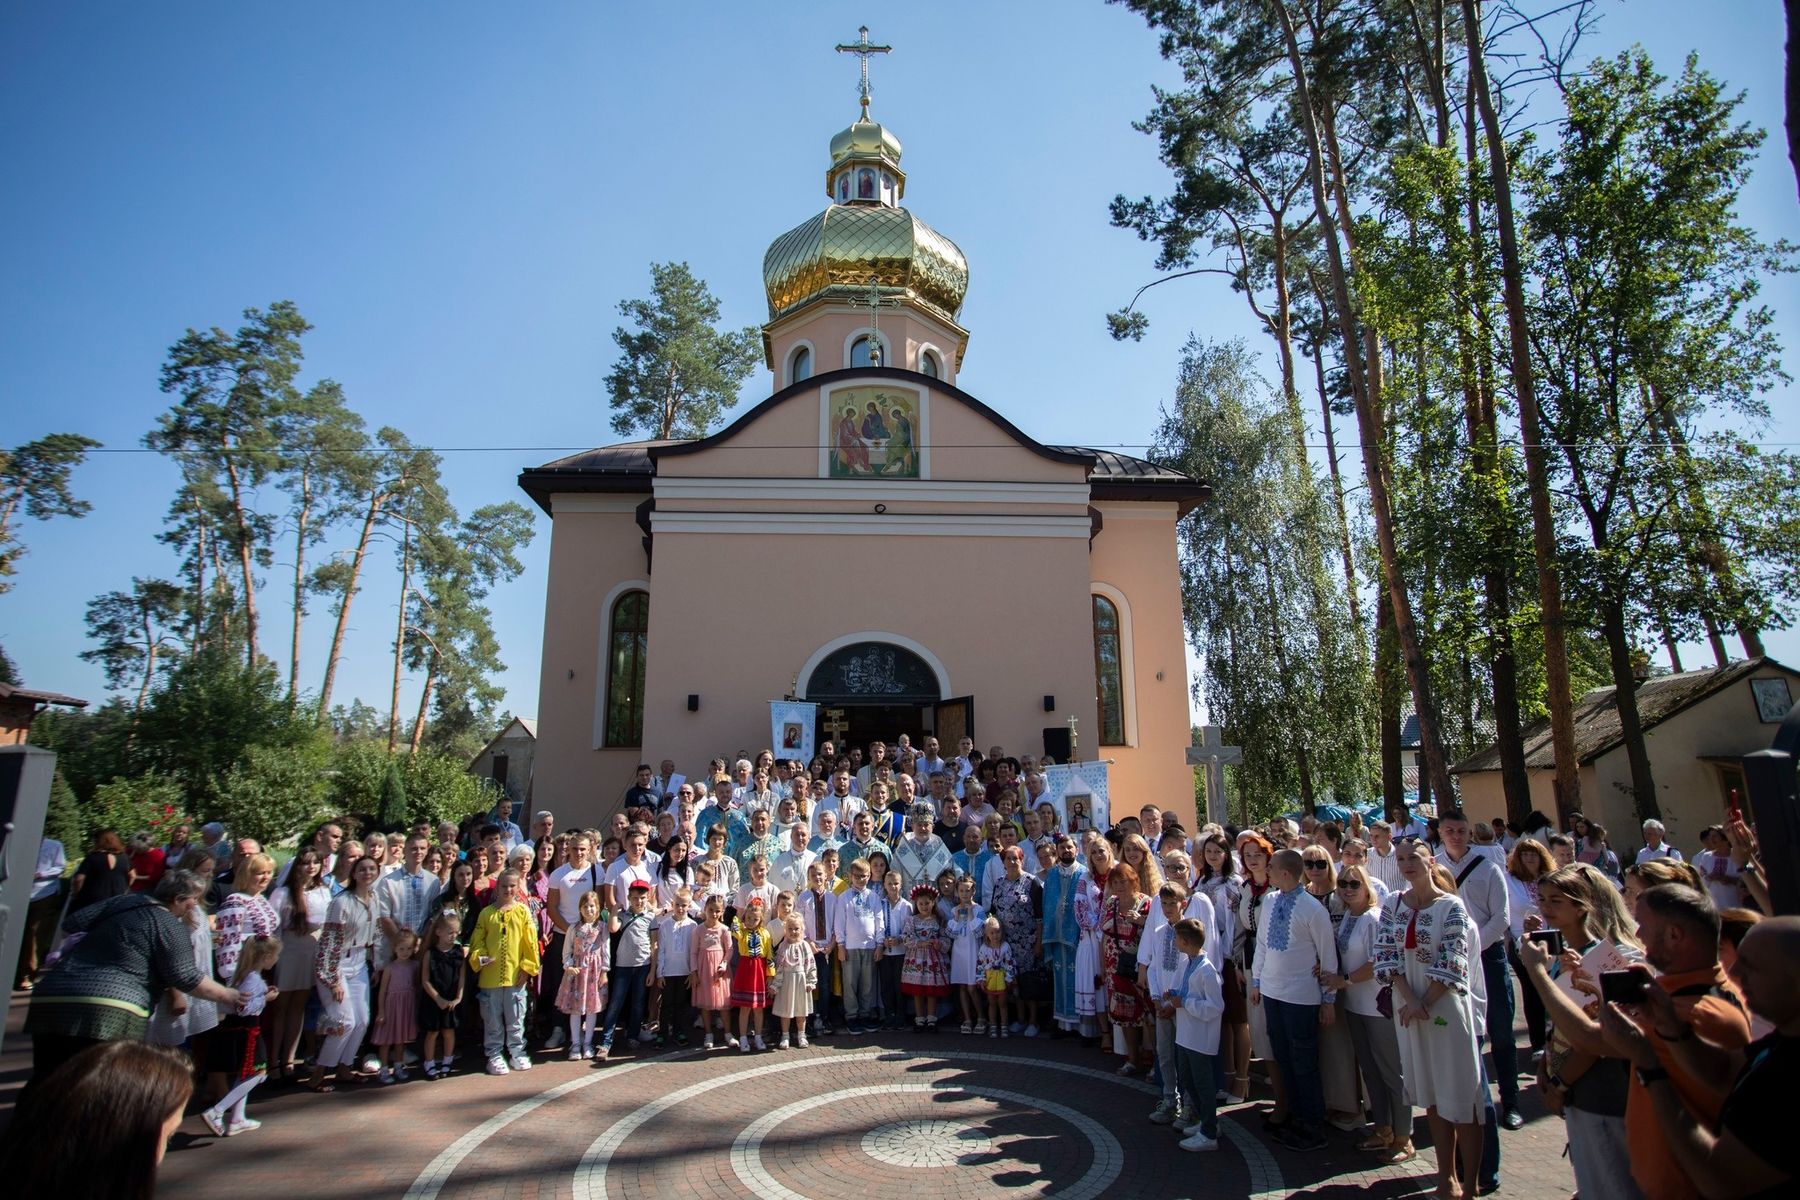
x=731 y=1041
x=215 y=1121
x=497 y=1066
x=783 y=1044
x=1199 y=1143
x=800 y=1042
x=1031 y=1031
x=706 y=1042
x=760 y=1044
x=557 y=1040
x=1164 y=1113
x=401 y=1075
x=370 y=1065
x=1298 y=1139
x=247 y=1125
x=576 y=1053
x=744 y=1046
x=520 y=1062
x=386 y=1078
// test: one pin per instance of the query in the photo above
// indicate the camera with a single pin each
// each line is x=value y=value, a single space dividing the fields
x=1623 y=987
x=1550 y=939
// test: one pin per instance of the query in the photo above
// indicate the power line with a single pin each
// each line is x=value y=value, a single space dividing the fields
x=578 y=448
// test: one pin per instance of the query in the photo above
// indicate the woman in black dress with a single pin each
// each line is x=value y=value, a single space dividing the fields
x=103 y=874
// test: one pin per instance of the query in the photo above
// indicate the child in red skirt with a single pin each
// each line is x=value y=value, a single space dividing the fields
x=235 y=1048
x=926 y=973
x=753 y=962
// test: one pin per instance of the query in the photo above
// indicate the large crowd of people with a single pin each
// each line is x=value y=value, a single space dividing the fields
x=1365 y=971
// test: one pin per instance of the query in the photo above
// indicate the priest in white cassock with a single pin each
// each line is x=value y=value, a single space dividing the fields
x=921 y=855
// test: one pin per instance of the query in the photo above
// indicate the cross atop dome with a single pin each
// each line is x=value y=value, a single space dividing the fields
x=863 y=50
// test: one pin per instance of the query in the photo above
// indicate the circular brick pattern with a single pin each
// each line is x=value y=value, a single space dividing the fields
x=1027 y=1153
x=926 y=1143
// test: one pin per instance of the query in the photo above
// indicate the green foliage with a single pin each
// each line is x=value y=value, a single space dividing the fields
x=677 y=372
x=135 y=633
x=9 y=670
x=149 y=801
x=92 y=745
x=34 y=483
x=213 y=710
x=64 y=819
x=275 y=792
x=440 y=788
x=390 y=809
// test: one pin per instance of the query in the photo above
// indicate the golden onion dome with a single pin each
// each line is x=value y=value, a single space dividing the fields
x=865 y=139
x=837 y=253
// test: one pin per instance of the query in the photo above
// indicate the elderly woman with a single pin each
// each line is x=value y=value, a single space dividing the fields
x=134 y=946
x=1016 y=900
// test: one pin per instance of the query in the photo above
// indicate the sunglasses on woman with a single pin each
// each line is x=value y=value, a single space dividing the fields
x=1316 y=864
x=1349 y=885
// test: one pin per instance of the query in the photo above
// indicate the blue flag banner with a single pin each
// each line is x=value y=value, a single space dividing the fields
x=791 y=728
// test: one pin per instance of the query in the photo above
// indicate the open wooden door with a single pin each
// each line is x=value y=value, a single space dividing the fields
x=951 y=721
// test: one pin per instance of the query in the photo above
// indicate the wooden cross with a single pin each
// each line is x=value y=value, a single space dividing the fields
x=863 y=50
x=835 y=726
x=1214 y=755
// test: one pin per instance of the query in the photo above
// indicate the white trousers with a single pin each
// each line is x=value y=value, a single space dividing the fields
x=350 y=1016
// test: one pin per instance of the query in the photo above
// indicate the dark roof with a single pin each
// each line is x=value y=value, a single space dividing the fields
x=631 y=466
x=9 y=692
x=1597 y=716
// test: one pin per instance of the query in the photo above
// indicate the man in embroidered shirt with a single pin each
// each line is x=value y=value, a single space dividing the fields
x=1481 y=883
x=403 y=898
x=1293 y=942
x=861 y=844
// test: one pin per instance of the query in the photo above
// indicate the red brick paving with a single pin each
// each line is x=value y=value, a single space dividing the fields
x=369 y=1142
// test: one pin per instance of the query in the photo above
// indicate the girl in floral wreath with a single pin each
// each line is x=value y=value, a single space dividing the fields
x=925 y=976
x=753 y=957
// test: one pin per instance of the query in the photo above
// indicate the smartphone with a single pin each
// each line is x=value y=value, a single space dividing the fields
x=1550 y=939
x=1732 y=811
x=1623 y=987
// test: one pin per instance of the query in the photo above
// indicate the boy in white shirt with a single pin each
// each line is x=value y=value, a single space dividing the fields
x=856 y=930
x=1162 y=965
x=1293 y=942
x=1197 y=999
x=674 y=945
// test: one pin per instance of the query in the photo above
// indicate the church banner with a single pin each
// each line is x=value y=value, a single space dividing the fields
x=1079 y=790
x=791 y=724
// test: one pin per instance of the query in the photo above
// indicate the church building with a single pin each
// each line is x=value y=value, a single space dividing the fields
x=870 y=537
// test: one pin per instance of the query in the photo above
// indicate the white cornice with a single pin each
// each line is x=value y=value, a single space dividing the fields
x=840 y=524
x=872 y=491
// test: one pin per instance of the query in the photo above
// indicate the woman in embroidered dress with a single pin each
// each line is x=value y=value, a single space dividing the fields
x=1017 y=901
x=301 y=905
x=1423 y=953
x=925 y=975
x=1122 y=921
x=342 y=972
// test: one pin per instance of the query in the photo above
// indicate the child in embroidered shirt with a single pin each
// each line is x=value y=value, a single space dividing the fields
x=709 y=975
x=674 y=955
x=441 y=991
x=964 y=926
x=795 y=983
x=236 y=1046
x=397 y=1008
x=587 y=954
x=753 y=953
x=504 y=952
x=926 y=973
x=994 y=963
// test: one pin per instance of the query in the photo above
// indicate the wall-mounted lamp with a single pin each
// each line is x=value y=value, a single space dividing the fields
x=1159 y=676
x=693 y=702
x=571 y=672
x=1049 y=703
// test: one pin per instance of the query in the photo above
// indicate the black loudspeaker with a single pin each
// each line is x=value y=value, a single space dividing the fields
x=693 y=702
x=1049 y=703
x=1056 y=743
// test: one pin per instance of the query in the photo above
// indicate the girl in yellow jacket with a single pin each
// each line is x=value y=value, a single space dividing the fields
x=503 y=951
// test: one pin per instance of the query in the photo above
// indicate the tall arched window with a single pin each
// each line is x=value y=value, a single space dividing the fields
x=800 y=365
x=627 y=636
x=860 y=355
x=1109 y=672
x=928 y=364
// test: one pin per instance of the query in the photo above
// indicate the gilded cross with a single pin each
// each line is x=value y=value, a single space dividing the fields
x=863 y=50
x=876 y=302
x=835 y=725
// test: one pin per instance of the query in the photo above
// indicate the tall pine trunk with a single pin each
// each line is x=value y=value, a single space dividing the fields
x=301 y=526
x=400 y=638
x=1631 y=727
x=1537 y=474
x=246 y=549
x=1365 y=382
x=343 y=613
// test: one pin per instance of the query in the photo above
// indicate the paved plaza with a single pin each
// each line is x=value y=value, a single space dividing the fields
x=889 y=1117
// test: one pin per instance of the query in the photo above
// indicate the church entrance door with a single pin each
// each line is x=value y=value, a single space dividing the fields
x=882 y=691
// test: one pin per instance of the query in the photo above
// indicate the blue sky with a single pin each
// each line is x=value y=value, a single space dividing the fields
x=458 y=196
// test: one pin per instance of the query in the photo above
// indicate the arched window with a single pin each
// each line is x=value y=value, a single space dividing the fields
x=928 y=365
x=860 y=355
x=1109 y=672
x=800 y=365
x=627 y=636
